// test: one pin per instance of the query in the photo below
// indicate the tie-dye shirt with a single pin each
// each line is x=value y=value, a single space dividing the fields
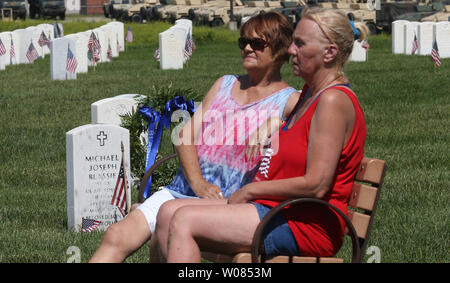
x=221 y=145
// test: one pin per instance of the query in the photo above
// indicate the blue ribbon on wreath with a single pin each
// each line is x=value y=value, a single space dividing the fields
x=156 y=124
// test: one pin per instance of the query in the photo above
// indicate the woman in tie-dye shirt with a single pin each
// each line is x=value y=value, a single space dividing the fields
x=212 y=145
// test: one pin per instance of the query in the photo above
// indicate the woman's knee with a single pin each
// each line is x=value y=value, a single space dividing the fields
x=183 y=220
x=115 y=235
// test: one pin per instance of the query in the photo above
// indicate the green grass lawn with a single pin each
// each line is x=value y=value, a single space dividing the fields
x=406 y=104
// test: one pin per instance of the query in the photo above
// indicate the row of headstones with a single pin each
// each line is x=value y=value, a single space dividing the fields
x=93 y=159
x=21 y=40
x=109 y=35
x=173 y=43
x=403 y=33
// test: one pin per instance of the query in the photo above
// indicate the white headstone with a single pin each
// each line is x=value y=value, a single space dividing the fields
x=171 y=44
x=5 y=37
x=58 y=58
x=22 y=40
x=358 y=53
x=49 y=33
x=101 y=36
x=185 y=22
x=73 y=6
x=119 y=30
x=81 y=43
x=398 y=36
x=442 y=35
x=111 y=38
x=410 y=29
x=93 y=157
x=109 y=110
x=35 y=34
x=425 y=37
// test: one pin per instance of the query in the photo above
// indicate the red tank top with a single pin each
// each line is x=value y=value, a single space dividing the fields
x=318 y=230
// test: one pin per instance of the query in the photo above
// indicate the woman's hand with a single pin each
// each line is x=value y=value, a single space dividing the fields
x=204 y=189
x=241 y=196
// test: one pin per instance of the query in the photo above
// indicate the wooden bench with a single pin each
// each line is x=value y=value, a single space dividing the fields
x=362 y=207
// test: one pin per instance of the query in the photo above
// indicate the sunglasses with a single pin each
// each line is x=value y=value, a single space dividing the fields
x=255 y=43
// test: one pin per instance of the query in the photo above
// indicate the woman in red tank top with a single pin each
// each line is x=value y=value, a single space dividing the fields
x=318 y=153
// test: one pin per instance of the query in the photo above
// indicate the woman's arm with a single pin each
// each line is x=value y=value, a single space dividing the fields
x=188 y=153
x=331 y=126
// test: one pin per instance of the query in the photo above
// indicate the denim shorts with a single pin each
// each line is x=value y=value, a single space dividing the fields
x=278 y=237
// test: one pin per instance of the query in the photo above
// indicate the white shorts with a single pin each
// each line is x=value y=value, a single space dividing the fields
x=151 y=206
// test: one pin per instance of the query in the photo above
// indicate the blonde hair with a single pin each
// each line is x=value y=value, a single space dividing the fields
x=336 y=27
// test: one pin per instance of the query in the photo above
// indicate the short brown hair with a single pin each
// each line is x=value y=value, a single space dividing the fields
x=276 y=30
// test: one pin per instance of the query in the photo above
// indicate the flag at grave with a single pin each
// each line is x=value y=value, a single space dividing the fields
x=157 y=55
x=435 y=55
x=12 y=52
x=109 y=52
x=415 y=45
x=119 y=198
x=129 y=36
x=118 y=45
x=191 y=43
x=89 y=225
x=2 y=48
x=94 y=48
x=94 y=43
x=32 y=53
x=365 y=44
x=43 y=40
x=71 y=63
x=186 y=51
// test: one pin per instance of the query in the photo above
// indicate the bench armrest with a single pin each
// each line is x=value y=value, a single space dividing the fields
x=147 y=175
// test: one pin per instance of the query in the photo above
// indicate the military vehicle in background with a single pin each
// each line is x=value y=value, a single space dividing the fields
x=117 y=9
x=406 y=10
x=443 y=15
x=13 y=9
x=47 y=8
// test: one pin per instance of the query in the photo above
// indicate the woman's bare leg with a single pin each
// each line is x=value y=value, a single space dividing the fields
x=218 y=228
x=164 y=218
x=123 y=238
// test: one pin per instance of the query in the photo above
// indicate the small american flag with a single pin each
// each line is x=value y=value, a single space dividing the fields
x=129 y=36
x=109 y=52
x=365 y=44
x=94 y=43
x=435 y=54
x=119 y=198
x=118 y=45
x=71 y=64
x=2 y=48
x=43 y=40
x=157 y=55
x=32 y=53
x=12 y=52
x=415 y=45
x=89 y=225
x=186 y=51
x=191 y=43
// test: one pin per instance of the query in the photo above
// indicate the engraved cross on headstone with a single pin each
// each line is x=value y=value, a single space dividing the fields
x=102 y=137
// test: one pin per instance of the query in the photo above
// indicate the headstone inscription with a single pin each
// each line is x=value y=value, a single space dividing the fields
x=94 y=156
x=171 y=44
